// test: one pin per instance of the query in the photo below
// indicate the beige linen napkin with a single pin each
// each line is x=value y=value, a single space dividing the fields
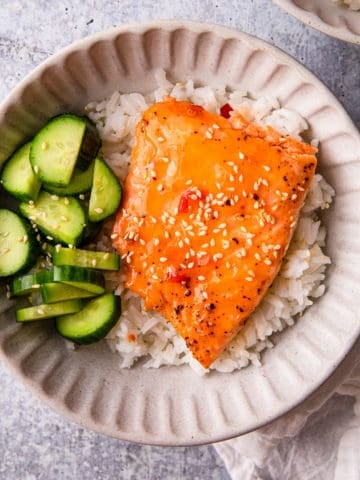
x=319 y=440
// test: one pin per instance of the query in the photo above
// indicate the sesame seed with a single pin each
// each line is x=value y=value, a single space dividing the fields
x=201 y=278
x=67 y=201
x=160 y=139
x=113 y=236
x=166 y=234
x=249 y=279
x=64 y=218
x=58 y=247
x=267 y=261
x=301 y=189
x=40 y=311
x=231 y=178
x=191 y=265
x=257 y=256
x=241 y=156
x=160 y=187
x=208 y=133
x=187 y=241
x=163 y=259
x=82 y=197
x=222 y=225
x=142 y=242
x=265 y=182
x=231 y=189
x=155 y=277
x=215 y=126
x=218 y=185
x=49 y=238
x=156 y=241
x=212 y=242
x=165 y=159
x=93 y=262
x=217 y=256
x=188 y=182
x=294 y=196
x=106 y=255
x=54 y=197
x=266 y=168
x=36 y=169
x=204 y=295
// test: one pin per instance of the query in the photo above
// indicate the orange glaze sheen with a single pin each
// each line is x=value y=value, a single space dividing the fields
x=207 y=216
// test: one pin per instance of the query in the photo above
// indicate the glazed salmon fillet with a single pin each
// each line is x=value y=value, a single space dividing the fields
x=207 y=216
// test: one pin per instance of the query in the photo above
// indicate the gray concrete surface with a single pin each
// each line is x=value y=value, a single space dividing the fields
x=36 y=443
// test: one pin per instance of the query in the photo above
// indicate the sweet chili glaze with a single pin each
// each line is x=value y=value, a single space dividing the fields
x=207 y=215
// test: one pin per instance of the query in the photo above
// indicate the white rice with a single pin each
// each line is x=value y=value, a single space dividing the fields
x=301 y=277
x=352 y=4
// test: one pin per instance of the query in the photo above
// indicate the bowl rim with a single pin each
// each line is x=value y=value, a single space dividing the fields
x=223 y=32
x=313 y=20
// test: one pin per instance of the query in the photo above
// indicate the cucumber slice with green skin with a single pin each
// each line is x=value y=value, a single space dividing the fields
x=28 y=283
x=83 y=278
x=42 y=312
x=64 y=142
x=57 y=292
x=86 y=258
x=81 y=182
x=106 y=192
x=18 y=177
x=61 y=219
x=18 y=245
x=93 y=322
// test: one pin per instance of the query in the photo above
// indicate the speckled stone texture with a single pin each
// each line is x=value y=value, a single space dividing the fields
x=36 y=443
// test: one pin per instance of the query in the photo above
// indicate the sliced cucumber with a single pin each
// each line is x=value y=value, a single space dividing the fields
x=93 y=322
x=61 y=219
x=83 y=278
x=29 y=283
x=106 y=192
x=18 y=246
x=81 y=182
x=57 y=292
x=18 y=177
x=86 y=258
x=40 y=312
x=64 y=142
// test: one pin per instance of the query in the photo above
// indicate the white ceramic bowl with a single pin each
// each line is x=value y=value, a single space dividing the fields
x=173 y=406
x=328 y=17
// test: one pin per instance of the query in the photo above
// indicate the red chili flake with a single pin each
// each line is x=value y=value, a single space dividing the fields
x=225 y=110
x=175 y=277
x=131 y=337
x=186 y=200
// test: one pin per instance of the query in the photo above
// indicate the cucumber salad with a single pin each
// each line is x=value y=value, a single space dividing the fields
x=61 y=190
